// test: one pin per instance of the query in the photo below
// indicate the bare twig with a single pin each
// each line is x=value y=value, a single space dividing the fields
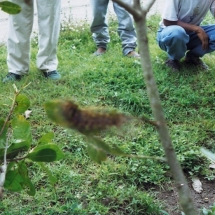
x=131 y=10
x=175 y=167
x=145 y=119
x=145 y=157
x=3 y=169
x=13 y=105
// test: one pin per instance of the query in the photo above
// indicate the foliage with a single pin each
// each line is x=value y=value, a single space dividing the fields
x=111 y=81
x=210 y=211
x=10 y=7
x=17 y=150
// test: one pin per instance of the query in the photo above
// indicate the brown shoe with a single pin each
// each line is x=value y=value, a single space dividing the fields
x=173 y=64
x=195 y=61
x=99 y=51
x=133 y=54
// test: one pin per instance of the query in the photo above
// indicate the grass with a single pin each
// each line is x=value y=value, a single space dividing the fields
x=119 y=185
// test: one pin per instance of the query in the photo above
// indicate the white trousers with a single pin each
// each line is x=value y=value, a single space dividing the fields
x=20 y=29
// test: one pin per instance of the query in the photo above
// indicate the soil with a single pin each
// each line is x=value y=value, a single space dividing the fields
x=204 y=199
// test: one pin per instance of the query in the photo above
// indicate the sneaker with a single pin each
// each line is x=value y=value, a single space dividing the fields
x=195 y=61
x=173 y=64
x=133 y=54
x=53 y=75
x=11 y=77
x=100 y=51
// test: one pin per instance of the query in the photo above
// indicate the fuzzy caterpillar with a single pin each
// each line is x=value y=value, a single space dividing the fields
x=88 y=120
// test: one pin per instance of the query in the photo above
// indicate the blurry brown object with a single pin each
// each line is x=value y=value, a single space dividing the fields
x=29 y=2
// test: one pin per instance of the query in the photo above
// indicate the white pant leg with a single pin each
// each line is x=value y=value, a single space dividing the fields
x=49 y=29
x=18 y=44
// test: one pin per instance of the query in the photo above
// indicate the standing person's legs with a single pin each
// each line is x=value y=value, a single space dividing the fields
x=99 y=25
x=49 y=29
x=18 y=44
x=126 y=28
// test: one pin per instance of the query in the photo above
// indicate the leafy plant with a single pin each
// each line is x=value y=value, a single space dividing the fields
x=16 y=148
x=89 y=122
x=210 y=211
x=10 y=7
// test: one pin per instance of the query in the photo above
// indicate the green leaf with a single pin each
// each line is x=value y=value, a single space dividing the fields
x=46 y=153
x=95 y=154
x=52 y=178
x=17 y=179
x=22 y=138
x=98 y=149
x=23 y=171
x=23 y=104
x=208 y=154
x=54 y=112
x=10 y=165
x=3 y=136
x=46 y=138
x=101 y=145
x=10 y=7
x=13 y=181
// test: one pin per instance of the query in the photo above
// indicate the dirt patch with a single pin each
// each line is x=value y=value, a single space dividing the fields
x=206 y=198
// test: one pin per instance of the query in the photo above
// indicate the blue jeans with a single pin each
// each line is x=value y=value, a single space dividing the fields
x=176 y=41
x=99 y=25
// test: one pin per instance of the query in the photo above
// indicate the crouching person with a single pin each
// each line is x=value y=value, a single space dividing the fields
x=180 y=33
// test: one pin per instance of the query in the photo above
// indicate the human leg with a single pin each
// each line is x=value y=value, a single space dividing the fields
x=18 y=43
x=49 y=29
x=126 y=28
x=195 y=45
x=173 y=40
x=193 y=56
x=99 y=25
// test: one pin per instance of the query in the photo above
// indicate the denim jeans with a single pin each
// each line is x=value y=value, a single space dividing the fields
x=176 y=41
x=99 y=25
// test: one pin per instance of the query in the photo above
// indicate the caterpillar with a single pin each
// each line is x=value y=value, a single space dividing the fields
x=86 y=120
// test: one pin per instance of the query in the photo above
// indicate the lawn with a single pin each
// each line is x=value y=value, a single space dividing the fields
x=119 y=185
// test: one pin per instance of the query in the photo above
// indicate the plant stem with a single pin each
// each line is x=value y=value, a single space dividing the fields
x=141 y=27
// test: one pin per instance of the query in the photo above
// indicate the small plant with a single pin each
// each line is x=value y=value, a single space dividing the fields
x=16 y=148
x=210 y=211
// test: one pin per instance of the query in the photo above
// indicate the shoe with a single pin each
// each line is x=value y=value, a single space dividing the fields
x=53 y=75
x=133 y=54
x=173 y=64
x=100 y=51
x=195 y=61
x=96 y=53
x=11 y=77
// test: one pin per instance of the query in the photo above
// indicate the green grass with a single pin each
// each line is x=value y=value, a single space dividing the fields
x=120 y=185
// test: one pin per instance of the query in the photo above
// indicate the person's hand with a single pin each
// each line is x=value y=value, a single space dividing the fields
x=202 y=36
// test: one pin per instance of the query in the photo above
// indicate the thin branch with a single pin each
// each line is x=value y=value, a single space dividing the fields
x=16 y=159
x=147 y=6
x=17 y=92
x=3 y=169
x=147 y=120
x=136 y=13
x=145 y=157
x=153 y=94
